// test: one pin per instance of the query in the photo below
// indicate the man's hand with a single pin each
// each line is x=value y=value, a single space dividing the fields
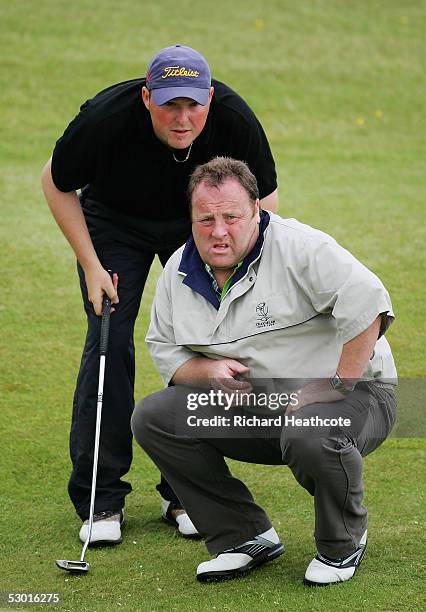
x=98 y=282
x=316 y=392
x=215 y=373
x=224 y=373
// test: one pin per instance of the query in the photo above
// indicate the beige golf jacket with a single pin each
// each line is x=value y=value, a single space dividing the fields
x=300 y=300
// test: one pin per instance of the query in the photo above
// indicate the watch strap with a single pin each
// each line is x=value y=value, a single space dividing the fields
x=338 y=385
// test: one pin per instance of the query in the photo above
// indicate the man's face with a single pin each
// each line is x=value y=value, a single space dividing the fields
x=178 y=122
x=225 y=223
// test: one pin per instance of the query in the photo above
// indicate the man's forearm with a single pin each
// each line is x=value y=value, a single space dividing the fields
x=357 y=352
x=68 y=215
x=66 y=210
x=270 y=202
x=353 y=362
x=194 y=369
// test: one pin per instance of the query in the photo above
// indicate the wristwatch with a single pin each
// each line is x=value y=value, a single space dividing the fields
x=338 y=385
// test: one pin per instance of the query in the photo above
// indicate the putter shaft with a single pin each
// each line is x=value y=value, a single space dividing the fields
x=81 y=566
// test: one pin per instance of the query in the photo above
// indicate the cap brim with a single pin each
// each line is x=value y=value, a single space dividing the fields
x=161 y=96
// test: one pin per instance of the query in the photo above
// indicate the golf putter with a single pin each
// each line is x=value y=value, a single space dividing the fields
x=81 y=566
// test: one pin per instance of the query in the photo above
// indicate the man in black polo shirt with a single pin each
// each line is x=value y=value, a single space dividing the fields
x=131 y=150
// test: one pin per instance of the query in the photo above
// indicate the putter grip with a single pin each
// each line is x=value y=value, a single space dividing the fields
x=106 y=305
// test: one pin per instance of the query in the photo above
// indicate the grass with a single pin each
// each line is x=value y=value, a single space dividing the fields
x=339 y=88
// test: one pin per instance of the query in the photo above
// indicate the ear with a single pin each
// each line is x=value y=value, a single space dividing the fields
x=211 y=94
x=145 y=97
x=257 y=210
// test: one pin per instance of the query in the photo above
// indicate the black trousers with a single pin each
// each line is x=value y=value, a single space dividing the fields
x=127 y=247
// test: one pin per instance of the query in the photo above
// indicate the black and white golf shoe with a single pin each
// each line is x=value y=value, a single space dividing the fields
x=106 y=529
x=323 y=571
x=237 y=562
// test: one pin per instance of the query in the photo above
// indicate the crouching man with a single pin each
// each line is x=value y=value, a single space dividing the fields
x=254 y=296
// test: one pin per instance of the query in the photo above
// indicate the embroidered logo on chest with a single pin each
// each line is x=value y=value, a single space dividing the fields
x=263 y=318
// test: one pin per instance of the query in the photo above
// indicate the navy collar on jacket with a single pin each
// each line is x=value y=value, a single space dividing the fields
x=197 y=277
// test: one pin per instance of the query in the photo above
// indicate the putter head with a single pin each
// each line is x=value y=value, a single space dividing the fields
x=75 y=567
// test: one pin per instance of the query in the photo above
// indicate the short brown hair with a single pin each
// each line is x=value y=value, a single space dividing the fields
x=217 y=170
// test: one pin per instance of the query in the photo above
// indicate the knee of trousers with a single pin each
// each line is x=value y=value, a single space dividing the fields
x=310 y=453
x=147 y=420
x=121 y=339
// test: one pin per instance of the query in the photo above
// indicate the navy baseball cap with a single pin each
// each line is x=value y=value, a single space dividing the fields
x=178 y=72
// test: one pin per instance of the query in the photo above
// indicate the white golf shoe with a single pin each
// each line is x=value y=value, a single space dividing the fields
x=322 y=570
x=237 y=562
x=175 y=515
x=106 y=529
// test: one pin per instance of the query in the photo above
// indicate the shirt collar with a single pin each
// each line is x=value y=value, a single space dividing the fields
x=228 y=284
x=199 y=279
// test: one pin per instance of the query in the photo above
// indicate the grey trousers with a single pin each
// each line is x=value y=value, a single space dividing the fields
x=327 y=462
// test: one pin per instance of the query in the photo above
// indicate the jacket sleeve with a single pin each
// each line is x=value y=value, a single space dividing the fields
x=166 y=354
x=341 y=285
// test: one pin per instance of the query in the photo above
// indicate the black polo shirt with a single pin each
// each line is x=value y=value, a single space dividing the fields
x=110 y=147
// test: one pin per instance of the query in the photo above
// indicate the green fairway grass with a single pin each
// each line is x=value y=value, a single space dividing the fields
x=339 y=87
